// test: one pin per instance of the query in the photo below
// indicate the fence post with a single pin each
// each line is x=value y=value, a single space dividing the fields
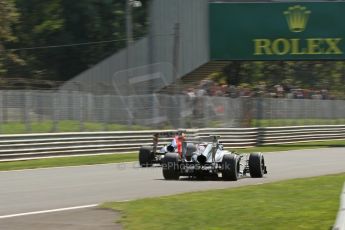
x=259 y=111
x=335 y=112
x=260 y=136
x=130 y=109
x=4 y=107
x=54 y=112
x=246 y=111
x=1 y=113
x=205 y=112
x=27 y=106
x=1 y=109
x=155 y=110
x=181 y=110
x=106 y=108
x=81 y=106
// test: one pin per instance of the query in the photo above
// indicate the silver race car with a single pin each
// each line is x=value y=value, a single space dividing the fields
x=208 y=158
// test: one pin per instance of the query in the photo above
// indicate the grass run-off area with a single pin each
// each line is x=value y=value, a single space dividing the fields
x=295 y=204
x=68 y=161
x=117 y=158
x=47 y=126
x=63 y=126
x=295 y=122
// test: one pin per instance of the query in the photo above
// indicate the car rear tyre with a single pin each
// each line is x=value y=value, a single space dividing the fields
x=145 y=156
x=231 y=167
x=257 y=166
x=171 y=166
x=191 y=148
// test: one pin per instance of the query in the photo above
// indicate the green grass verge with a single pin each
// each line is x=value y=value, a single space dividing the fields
x=47 y=126
x=295 y=122
x=295 y=204
x=68 y=161
x=296 y=146
x=116 y=158
x=63 y=126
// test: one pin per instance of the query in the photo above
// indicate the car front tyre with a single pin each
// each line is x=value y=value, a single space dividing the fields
x=257 y=167
x=145 y=156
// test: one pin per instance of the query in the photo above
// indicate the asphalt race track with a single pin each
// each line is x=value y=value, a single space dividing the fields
x=55 y=188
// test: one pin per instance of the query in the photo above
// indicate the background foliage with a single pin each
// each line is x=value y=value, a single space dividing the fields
x=50 y=23
x=313 y=75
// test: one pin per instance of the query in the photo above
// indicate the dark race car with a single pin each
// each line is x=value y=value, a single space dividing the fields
x=149 y=155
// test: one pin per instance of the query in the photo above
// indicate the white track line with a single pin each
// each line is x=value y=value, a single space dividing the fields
x=48 y=211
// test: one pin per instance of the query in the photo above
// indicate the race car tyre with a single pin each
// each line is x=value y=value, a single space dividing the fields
x=171 y=166
x=145 y=156
x=257 y=167
x=191 y=148
x=230 y=167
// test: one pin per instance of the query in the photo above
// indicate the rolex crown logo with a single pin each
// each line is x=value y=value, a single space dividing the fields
x=297 y=18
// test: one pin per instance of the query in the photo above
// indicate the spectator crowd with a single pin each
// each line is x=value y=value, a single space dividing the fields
x=211 y=88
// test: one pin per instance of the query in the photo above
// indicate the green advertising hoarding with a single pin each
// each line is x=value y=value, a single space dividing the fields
x=277 y=31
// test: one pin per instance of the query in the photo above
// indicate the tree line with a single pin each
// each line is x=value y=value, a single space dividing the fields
x=58 y=39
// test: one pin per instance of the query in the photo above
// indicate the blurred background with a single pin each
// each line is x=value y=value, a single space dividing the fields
x=128 y=65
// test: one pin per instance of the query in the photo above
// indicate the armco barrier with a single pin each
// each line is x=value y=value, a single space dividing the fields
x=36 y=146
x=340 y=221
x=293 y=134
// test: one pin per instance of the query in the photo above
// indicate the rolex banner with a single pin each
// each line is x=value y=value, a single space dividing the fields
x=277 y=31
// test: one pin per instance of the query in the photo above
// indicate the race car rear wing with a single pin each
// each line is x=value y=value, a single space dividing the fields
x=207 y=139
x=212 y=139
x=172 y=134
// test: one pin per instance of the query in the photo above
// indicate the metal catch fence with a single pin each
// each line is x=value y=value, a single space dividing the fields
x=89 y=112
